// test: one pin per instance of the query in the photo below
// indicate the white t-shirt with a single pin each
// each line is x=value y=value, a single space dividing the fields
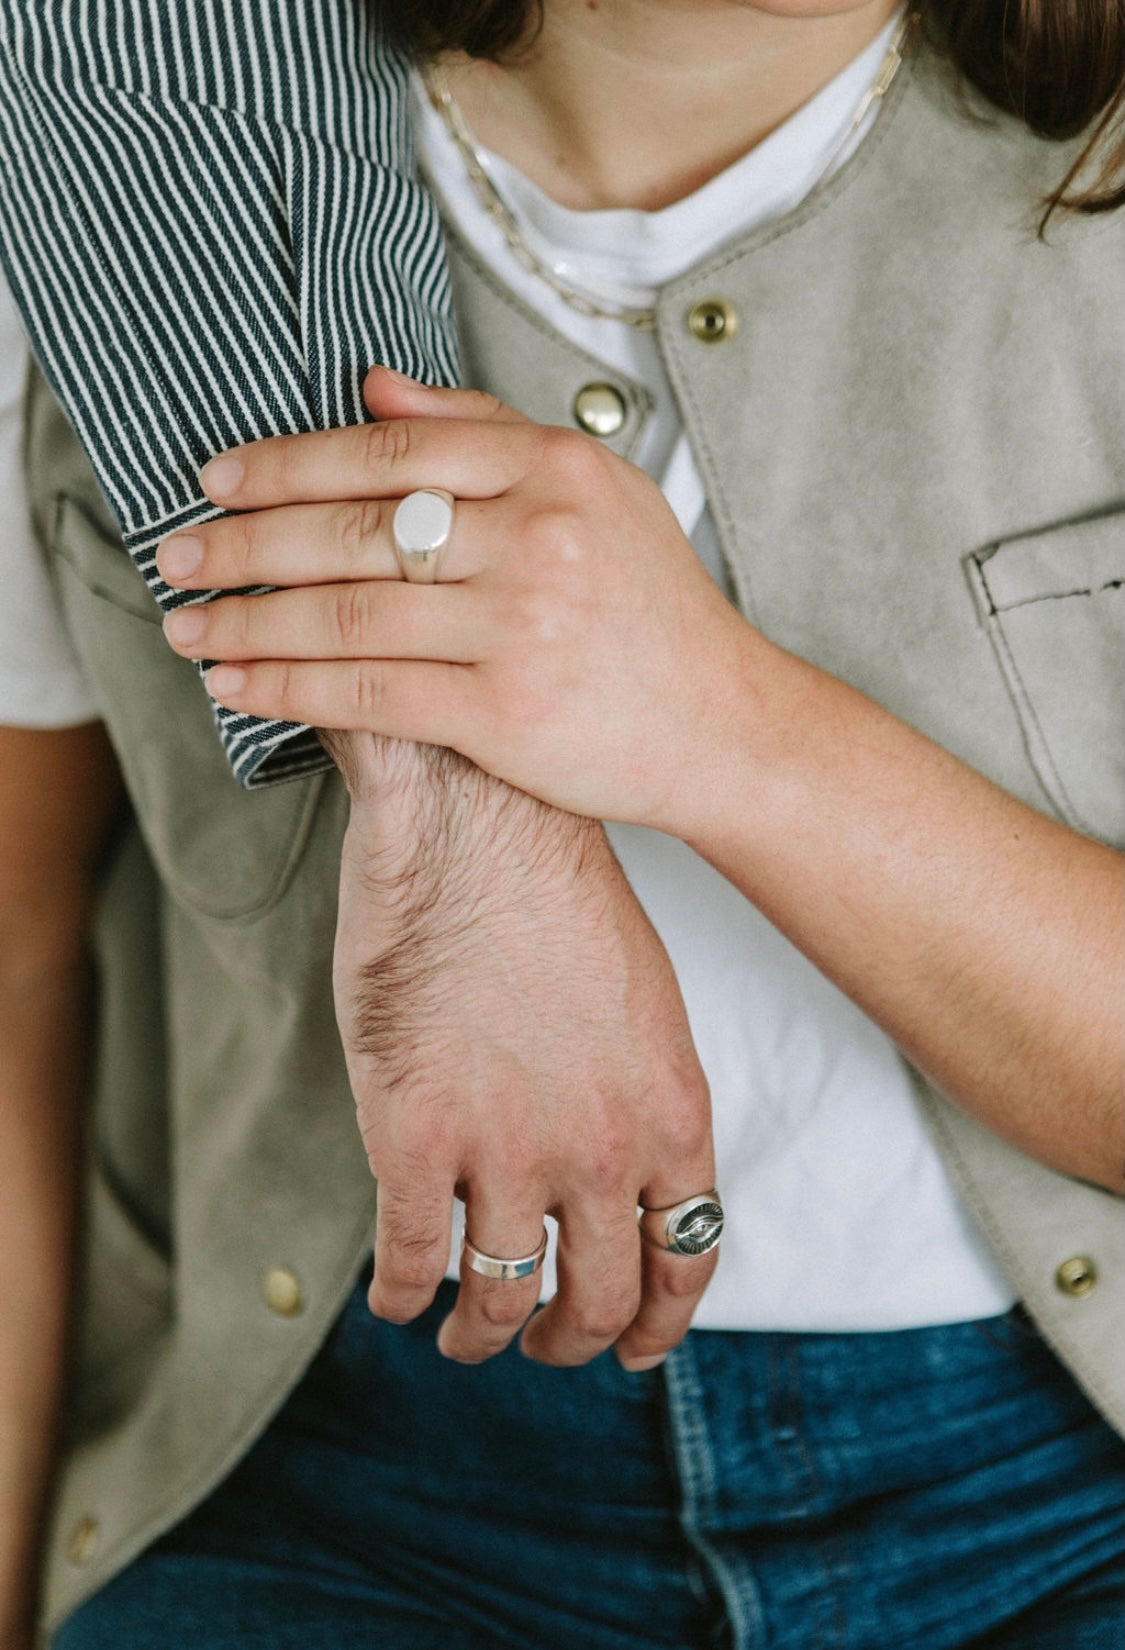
x=41 y=685
x=840 y=1213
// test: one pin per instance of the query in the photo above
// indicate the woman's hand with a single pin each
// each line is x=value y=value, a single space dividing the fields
x=574 y=645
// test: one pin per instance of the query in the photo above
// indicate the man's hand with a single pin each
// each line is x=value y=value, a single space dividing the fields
x=515 y=1035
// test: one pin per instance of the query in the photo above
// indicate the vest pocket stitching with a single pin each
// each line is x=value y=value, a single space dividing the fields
x=1033 y=728
x=1074 y=563
x=1060 y=596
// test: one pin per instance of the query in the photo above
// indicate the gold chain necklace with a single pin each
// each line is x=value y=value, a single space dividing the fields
x=497 y=208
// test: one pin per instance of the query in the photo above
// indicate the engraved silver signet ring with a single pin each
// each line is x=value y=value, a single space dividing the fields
x=688 y=1228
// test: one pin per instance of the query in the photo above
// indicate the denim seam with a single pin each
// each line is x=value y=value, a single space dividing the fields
x=806 y=1484
x=695 y=1471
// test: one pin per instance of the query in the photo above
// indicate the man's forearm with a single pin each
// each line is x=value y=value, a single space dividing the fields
x=515 y=1037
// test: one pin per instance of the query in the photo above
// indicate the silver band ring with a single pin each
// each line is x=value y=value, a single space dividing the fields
x=688 y=1228
x=421 y=527
x=490 y=1266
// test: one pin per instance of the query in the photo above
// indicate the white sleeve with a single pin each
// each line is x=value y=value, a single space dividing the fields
x=41 y=682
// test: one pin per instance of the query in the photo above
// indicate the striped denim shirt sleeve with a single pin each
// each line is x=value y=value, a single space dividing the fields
x=210 y=221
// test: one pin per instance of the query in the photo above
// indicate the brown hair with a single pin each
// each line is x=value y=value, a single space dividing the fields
x=1059 y=65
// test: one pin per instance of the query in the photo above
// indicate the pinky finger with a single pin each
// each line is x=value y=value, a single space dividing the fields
x=428 y=702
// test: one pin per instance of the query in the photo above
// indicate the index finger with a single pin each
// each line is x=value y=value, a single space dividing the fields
x=466 y=457
x=412 y=1226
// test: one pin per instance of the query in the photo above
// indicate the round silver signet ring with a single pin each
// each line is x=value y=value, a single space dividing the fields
x=491 y=1266
x=421 y=526
x=688 y=1228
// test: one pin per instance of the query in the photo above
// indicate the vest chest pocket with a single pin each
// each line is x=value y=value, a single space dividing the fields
x=226 y=852
x=1054 y=605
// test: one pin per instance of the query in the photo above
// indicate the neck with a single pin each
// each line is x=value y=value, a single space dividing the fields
x=636 y=103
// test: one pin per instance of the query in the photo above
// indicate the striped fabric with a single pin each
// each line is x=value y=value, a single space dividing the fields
x=209 y=219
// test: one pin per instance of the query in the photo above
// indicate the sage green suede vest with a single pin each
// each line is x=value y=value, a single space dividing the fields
x=914 y=446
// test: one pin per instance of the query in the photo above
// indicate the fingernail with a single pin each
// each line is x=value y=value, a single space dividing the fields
x=186 y=625
x=636 y=1366
x=401 y=378
x=222 y=477
x=224 y=681
x=180 y=557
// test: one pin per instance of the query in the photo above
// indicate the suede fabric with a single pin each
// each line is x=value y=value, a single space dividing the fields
x=914 y=448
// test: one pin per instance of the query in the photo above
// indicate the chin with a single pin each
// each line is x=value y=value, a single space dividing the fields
x=808 y=8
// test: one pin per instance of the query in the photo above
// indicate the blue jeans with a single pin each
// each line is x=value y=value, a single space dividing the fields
x=915 y=1490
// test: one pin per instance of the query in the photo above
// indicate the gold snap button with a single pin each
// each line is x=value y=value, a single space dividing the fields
x=83 y=1542
x=713 y=321
x=599 y=409
x=1077 y=1276
x=282 y=1292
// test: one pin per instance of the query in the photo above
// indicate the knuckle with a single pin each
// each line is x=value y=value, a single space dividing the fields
x=598 y=1323
x=359 y=525
x=403 y=1239
x=501 y=1308
x=557 y=533
x=411 y=1267
x=685 y=1279
x=369 y=684
x=484 y=405
x=386 y=444
x=572 y=456
x=241 y=623
x=684 y=1118
x=535 y=614
x=240 y=543
x=350 y=617
x=282 y=683
x=416 y=1273
x=605 y=1318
